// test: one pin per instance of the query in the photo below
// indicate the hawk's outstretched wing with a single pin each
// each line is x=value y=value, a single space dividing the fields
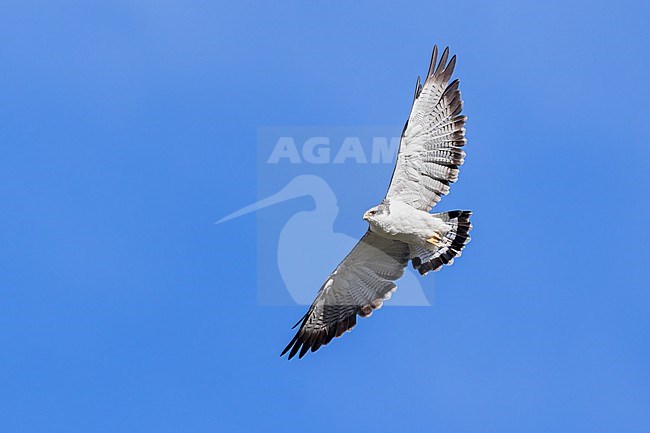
x=431 y=146
x=360 y=284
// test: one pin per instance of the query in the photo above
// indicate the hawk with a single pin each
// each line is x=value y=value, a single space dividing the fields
x=401 y=227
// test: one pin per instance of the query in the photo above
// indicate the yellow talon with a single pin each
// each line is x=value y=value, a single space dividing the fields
x=435 y=239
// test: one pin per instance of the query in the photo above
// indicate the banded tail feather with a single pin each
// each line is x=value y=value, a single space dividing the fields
x=451 y=246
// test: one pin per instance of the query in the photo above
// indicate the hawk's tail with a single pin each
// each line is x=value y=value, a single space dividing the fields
x=451 y=245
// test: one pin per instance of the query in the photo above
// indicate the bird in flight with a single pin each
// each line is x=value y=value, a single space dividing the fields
x=401 y=227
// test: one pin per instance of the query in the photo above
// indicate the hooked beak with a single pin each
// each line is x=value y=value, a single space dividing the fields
x=366 y=216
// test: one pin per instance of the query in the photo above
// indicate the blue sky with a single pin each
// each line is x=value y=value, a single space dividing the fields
x=128 y=127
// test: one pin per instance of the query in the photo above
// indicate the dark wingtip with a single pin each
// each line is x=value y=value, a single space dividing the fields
x=443 y=61
x=302 y=319
x=291 y=343
x=434 y=58
x=449 y=68
x=418 y=89
x=305 y=349
x=304 y=342
x=295 y=348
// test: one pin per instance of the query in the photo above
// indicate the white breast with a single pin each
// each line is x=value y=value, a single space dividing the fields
x=408 y=224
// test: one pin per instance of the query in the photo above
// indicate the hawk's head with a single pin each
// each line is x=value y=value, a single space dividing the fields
x=378 y=211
